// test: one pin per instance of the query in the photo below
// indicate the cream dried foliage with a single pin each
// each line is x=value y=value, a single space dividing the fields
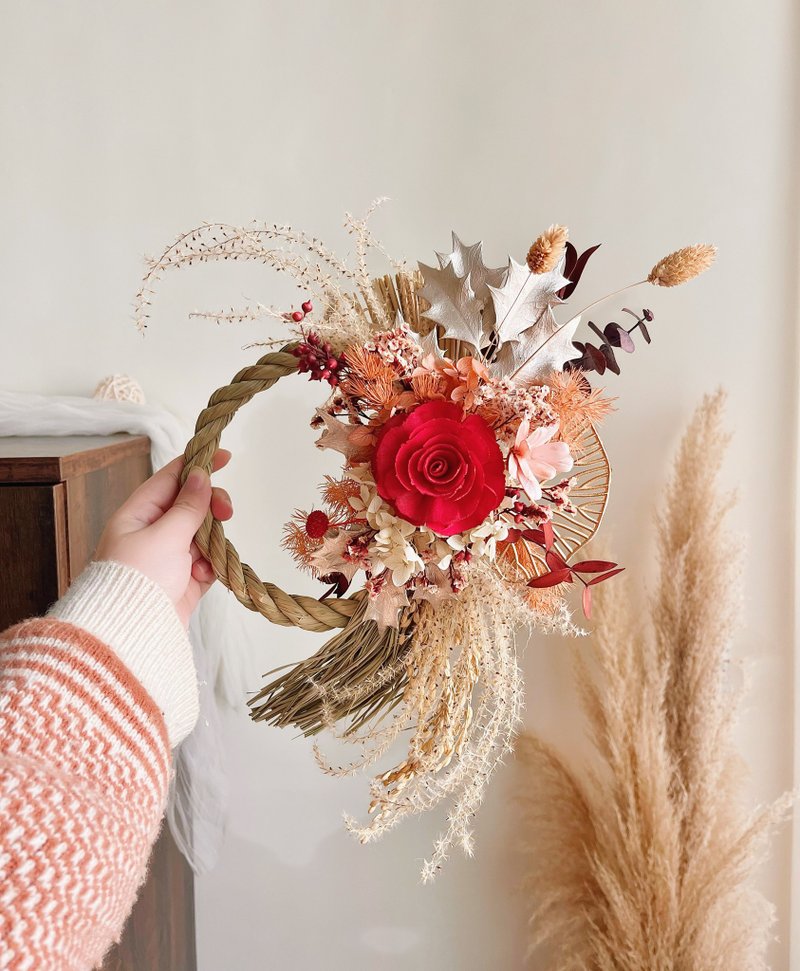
x=643 y=863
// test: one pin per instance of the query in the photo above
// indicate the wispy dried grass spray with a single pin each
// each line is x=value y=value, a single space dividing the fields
x=643 y=863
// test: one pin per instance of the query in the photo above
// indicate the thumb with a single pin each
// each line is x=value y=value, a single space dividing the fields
x=191 y=505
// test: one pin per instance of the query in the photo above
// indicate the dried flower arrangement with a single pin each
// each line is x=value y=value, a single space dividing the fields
x=472 y=476
x=644 y=860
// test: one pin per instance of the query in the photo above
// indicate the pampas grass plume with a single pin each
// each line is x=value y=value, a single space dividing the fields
x=643 y=862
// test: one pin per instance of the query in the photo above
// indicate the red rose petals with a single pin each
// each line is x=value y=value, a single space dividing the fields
x=439 y=469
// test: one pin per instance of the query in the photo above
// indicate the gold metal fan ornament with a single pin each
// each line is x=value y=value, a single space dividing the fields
x=472 y=476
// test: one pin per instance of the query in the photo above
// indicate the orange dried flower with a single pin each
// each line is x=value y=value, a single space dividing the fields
x=377 y=391
x=427 y=385
x=469 y=372
x=366 y=364
x=457 y=381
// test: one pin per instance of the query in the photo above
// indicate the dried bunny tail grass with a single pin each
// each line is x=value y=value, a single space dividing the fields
x=646 y=860
x=547 y=249
x=682 y=265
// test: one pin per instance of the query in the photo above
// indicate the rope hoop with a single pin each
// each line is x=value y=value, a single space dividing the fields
x=288 y=610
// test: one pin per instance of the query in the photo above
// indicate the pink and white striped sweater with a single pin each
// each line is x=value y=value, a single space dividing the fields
x=92 y=700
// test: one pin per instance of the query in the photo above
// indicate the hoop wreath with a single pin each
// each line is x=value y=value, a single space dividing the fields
x=472 y=474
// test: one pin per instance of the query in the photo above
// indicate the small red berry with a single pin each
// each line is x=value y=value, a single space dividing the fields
x=297 y=316
x=307 y=306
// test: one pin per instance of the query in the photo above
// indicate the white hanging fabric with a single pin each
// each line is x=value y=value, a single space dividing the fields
x=198 y=804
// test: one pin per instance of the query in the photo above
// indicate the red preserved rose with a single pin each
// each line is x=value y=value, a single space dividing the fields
x=438 y=468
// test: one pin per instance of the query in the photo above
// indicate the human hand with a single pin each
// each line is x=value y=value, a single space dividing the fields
x=153 y=531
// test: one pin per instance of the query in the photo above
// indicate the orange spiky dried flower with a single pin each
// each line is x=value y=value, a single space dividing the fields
x=297 y=540
x=576 y=403
x=366 y=364
x=337 y=493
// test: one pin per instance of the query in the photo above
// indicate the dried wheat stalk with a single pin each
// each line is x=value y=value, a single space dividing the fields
x=643 y=863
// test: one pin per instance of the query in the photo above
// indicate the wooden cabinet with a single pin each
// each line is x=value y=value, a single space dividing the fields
x=56 y=495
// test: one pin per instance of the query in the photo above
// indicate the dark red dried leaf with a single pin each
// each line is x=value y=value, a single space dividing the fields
x=593 y=566
x=605 y=576
x=617 y=336
x=574 y=266
x=597 y=358
x=595 y=329
x=534 y=535
x=551 y=579
x=608 y=353
x=339 y=585
x=555 y=561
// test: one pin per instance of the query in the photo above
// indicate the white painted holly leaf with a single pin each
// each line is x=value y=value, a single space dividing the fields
x=453 y=304
x=459 y=293
x=538 y=353
x=430 y=344
x=335 y=435
x=384 y=607
x=468 y=261
x=330 y=557
x=522 y=301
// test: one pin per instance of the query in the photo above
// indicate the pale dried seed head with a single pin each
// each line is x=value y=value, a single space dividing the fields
x=682 y=265
x=547 y=249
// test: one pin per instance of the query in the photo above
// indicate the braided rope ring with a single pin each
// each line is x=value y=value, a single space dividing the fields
x=288 y=610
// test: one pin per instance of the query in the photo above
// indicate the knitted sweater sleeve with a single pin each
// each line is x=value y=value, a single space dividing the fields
x=92 y=699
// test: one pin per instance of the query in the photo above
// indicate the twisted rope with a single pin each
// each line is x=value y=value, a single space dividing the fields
x=288 y=610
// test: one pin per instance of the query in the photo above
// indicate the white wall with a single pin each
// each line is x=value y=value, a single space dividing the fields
x=644 y=126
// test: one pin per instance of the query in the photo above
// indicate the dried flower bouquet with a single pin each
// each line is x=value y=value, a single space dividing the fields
x=472 y=476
